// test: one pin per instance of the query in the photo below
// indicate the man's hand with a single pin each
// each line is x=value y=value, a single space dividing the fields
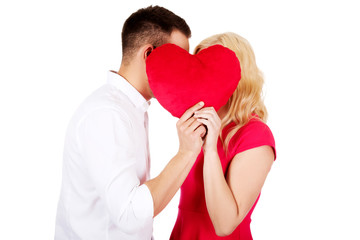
x=190 y=132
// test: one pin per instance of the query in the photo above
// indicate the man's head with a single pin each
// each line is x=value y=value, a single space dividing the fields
x=152 y=26
x=143 y=31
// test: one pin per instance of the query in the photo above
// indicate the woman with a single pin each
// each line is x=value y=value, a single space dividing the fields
x=223 y=187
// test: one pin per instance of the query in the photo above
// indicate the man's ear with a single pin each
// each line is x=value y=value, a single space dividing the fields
x=146 y=50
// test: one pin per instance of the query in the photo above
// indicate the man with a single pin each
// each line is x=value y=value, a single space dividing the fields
x=106 y=192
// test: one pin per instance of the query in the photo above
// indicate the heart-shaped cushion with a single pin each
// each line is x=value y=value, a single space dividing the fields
x=179 y=80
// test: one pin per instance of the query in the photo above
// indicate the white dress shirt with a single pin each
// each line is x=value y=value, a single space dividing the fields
x=106 y=161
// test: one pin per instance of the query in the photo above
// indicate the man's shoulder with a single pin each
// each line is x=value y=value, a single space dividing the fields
x=106 y=95
x=105 y=98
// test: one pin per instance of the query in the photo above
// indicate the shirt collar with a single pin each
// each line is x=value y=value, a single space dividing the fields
x=124 y=86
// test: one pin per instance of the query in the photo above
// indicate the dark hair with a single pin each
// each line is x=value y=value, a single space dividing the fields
x=152 y=25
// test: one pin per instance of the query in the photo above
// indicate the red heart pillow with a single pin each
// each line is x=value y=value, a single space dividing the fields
x=179 y=80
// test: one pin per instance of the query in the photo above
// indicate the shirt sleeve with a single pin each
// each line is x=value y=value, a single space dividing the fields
x=252 y=135
x=107 y=146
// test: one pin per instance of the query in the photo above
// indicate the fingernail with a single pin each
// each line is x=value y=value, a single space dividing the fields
x=201 y=103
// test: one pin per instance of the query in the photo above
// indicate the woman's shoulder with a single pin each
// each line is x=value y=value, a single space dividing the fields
x=255 y=133
x=256 y=125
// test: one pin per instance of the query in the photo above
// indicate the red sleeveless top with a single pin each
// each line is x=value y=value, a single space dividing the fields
x=193 y=221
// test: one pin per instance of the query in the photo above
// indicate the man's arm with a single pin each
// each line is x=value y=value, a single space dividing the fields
x=106 y=145
x=165 y=185
x=105 y=142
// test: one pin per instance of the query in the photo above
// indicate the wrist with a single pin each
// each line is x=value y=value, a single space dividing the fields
x=187 y=155
x=210 y=152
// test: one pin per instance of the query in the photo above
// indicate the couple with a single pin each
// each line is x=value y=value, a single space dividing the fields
x=106 y=190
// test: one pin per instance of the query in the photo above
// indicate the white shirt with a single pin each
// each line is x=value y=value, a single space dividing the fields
x=106 y=161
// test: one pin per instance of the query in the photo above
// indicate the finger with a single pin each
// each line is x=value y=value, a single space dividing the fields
x=182 y=126
x=188 y=122
x=212 y=116
x=194 y=125
x=200 y=131
x=205 y=122
x=191 y=111
x=207 y=125
x=211 y=112
x=206 y=132
x=203 y=115
x=213 y=119
x=206 y=110
x=209 y=108
x=207 y=116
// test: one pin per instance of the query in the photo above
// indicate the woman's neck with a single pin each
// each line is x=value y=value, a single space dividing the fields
x=222 y=111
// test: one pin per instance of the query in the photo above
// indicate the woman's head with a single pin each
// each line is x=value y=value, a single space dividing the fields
x=246 y=101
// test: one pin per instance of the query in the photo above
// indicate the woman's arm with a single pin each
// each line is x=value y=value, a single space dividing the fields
x=229 y=199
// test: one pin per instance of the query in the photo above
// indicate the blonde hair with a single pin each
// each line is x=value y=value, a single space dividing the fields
x=246 y=102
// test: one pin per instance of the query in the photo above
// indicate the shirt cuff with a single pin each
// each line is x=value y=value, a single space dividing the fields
x=143 y=203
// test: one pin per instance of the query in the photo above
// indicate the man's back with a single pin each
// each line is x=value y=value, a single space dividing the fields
x=106 y=158
x=106 y=191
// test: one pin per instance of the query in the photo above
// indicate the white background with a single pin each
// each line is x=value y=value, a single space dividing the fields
x=54 y=53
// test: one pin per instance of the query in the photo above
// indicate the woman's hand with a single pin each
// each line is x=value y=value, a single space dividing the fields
x=209 y=117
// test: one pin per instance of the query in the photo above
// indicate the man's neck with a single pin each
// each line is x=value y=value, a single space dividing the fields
x=133 y=76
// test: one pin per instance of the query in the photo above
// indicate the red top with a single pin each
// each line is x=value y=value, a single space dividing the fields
x=193 y=221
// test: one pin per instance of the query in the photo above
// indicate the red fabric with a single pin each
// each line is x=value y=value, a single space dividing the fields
x=193 y=221
x=179 y=80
